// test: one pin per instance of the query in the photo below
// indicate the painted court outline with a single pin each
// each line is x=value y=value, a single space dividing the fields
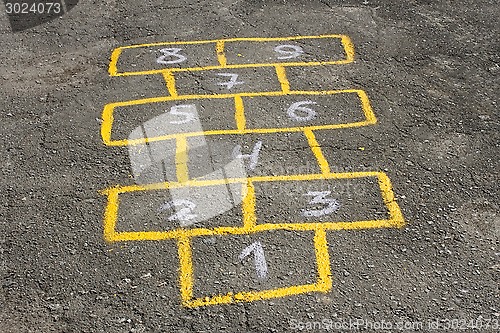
x=249 y=225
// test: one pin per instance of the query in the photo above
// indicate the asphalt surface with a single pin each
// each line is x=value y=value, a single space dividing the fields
x=432 y=73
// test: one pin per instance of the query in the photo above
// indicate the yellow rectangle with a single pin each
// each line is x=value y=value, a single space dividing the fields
x=248 y=226
x=108 y=116
x=186 y=279
x=218 y=54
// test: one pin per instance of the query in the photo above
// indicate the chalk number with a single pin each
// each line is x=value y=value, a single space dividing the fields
x=171 y=55
x=288 y=51
x=184 y=211
x=320 y=197
x=306 y=112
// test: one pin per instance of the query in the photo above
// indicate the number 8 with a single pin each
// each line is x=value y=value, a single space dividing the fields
x=170 y=52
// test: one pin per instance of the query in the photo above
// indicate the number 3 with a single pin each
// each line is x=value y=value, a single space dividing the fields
x=170 y=52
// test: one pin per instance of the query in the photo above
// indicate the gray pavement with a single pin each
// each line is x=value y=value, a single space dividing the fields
x=432 y=74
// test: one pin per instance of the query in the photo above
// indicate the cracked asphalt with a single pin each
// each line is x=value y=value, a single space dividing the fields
x=432 y=72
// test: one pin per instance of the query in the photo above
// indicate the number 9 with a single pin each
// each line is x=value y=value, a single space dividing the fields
x=293 y=51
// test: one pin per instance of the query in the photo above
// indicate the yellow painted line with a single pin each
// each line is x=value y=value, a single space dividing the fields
x=126 y=142
x=219 y=299
x=214 y=182
x=185 y=269
x=367 y=109
x=249 y=94
x=114 y=60
x=110 y=216
x=250 y=296
x=106 y=125
x=107 y=115
x=345 y=40
x=237 y=39
x=316 y=149
x=281 y=73
x=348 y=48
x=256 y=65
x=181 y=159
x=322 y=260
x=390 y=201
x=221 y=57
x=239 y=115
x=323 y=284
x=248 y=206
x=306 y=226
x=170 y=81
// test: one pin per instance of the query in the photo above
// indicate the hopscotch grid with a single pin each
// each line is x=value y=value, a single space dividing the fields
x=249 y=221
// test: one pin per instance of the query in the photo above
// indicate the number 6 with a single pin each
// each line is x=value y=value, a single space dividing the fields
x=297 y=106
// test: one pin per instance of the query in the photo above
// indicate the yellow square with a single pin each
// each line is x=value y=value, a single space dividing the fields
x=186 y=278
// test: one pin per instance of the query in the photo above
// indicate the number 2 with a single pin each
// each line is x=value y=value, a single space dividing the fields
x=183 y=215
